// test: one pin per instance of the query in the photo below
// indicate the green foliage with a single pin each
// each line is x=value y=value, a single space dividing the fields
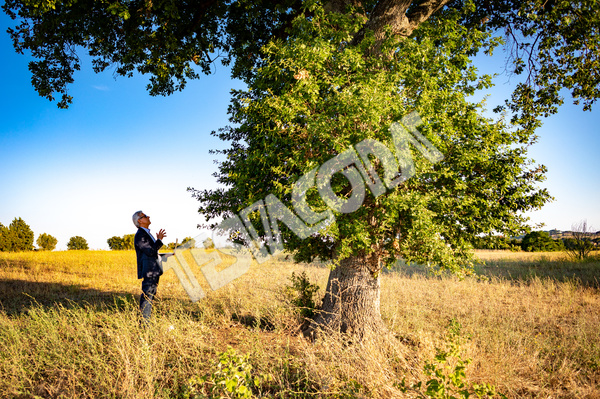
x=115 y=243
x=301 y=293
x=119 y=243
x=128 y=240
x=315 y=97
x=548 y=42
x=232 y=377
x=496 y=242
x=551 y=43
x=77 y=242
x=578 y=248
x=540 y=241
x=447 y=374
x=46 y=242
x=5 y=240
x=164 y=39
x=18 y=236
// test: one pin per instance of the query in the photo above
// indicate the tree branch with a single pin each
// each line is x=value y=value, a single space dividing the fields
x=396 y=15
x=422 y=13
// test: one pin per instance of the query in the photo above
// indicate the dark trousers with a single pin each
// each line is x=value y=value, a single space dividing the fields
x=149 y=285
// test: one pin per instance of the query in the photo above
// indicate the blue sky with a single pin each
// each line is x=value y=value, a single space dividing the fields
x=116 y=150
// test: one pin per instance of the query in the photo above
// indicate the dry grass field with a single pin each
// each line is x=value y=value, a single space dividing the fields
x=69 y=328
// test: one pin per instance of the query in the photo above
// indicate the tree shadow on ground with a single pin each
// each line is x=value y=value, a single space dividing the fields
x=251 y=321
x=584 y=273
x=18 y=296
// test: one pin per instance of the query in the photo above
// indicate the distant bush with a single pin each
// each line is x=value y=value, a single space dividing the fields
x=18 y=236
x=579 y=248
x=128 y=241
x=77 y=242
x=540 y=241
x=46 y=242
x=118 y=243
x=115 y=243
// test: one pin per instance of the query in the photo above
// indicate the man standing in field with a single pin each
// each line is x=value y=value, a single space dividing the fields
x=148 y=263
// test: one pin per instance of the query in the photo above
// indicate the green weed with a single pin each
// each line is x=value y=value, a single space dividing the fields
x=231 y=377
x=447 y=374
x=301 y=292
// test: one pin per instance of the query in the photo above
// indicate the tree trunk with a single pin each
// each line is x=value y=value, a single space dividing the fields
x=352 y=300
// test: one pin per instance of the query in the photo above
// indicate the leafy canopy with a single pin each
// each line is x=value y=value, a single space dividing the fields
x=317 y=96
x=552 y=44
x=46 y=242
x=77 y=243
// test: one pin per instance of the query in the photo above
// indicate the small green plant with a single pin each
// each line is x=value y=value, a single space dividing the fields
x=301 y=293
x=232 y=378
x=447 y=374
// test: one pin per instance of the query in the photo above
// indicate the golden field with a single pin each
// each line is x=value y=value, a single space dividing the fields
x=69 y=328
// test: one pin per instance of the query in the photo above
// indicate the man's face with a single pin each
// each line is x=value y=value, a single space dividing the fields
x=144 y=220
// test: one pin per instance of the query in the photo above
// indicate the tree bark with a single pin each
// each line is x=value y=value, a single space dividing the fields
x=352 y=300
x=395 y=15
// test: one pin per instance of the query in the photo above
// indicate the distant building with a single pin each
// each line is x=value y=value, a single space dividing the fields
x=554 y=233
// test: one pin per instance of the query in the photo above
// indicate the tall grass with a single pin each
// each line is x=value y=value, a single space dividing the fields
x=69 y=327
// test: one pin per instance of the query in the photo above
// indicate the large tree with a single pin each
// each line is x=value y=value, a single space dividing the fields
x=318 y=99
x=330 y=80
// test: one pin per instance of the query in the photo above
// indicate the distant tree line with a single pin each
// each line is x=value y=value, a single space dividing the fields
x=579 y=242
x=496 y=242
x=117 y=243
x=18 y=237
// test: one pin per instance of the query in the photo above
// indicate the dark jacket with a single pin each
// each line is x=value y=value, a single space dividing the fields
x=146 y=250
